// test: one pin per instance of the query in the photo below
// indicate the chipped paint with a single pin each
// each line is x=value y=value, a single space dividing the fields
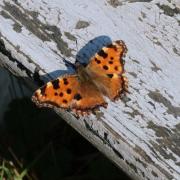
x=70 y=36
x=115 y=3
x=17 y=27
x=154 y=174
x=132 y=166
x=82 y=24
x=29 y=19
x=158 y=97
x=176 y=51
x=168 y=10
x=155 y=68
x=143 y=14
x=134 y=1
x=167 y=139
x=133 y=74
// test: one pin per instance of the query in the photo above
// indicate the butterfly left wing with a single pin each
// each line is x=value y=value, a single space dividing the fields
x=106 y=69
x=69 y=93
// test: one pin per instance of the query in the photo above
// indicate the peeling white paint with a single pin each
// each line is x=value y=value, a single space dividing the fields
x=152 y=38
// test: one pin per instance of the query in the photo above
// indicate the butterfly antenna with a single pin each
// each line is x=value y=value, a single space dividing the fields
x=77 y=63
x=76 y=53
x=69 y=64
x=76 y=46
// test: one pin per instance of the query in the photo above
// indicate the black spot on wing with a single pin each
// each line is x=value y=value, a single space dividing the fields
x=110 y=75
x=61 y=94
x=64 y=101
x=116 y=68
x=112 y=46
x=102 y=53
x=105 y=67
x=55 y=84
x=98 y=61
x=65 y=81
x=68 y=91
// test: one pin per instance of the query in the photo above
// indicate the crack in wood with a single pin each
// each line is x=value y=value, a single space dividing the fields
x=104 y=140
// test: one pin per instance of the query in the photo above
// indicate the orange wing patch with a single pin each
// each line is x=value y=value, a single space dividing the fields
x=68 y=93
x=107 y=69
x=109 y=59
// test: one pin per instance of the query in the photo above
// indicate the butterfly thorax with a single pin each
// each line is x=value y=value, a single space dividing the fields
x=82 y=74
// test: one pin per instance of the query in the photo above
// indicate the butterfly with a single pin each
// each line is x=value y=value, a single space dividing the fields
x=84 y=91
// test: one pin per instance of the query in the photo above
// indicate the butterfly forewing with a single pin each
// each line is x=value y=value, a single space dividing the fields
x=106 y=69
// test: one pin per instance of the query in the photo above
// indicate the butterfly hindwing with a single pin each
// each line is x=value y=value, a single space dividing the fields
x=69 y=93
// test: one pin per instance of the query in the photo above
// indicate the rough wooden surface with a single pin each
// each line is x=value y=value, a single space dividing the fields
x=141 y=132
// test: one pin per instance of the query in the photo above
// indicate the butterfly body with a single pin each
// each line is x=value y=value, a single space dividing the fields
x=82 y=74
x=85 y=90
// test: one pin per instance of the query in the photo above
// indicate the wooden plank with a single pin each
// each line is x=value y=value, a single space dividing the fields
x=141 y=132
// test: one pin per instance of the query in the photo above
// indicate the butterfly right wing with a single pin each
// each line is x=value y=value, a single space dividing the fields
x=69 y=93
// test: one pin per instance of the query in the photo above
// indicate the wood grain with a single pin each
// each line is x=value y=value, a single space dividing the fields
x=141 y=132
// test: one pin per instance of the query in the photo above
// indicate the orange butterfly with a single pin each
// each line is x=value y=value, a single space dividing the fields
x=84 y=91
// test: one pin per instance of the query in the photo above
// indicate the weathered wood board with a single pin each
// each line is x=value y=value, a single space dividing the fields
x=141 y=132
